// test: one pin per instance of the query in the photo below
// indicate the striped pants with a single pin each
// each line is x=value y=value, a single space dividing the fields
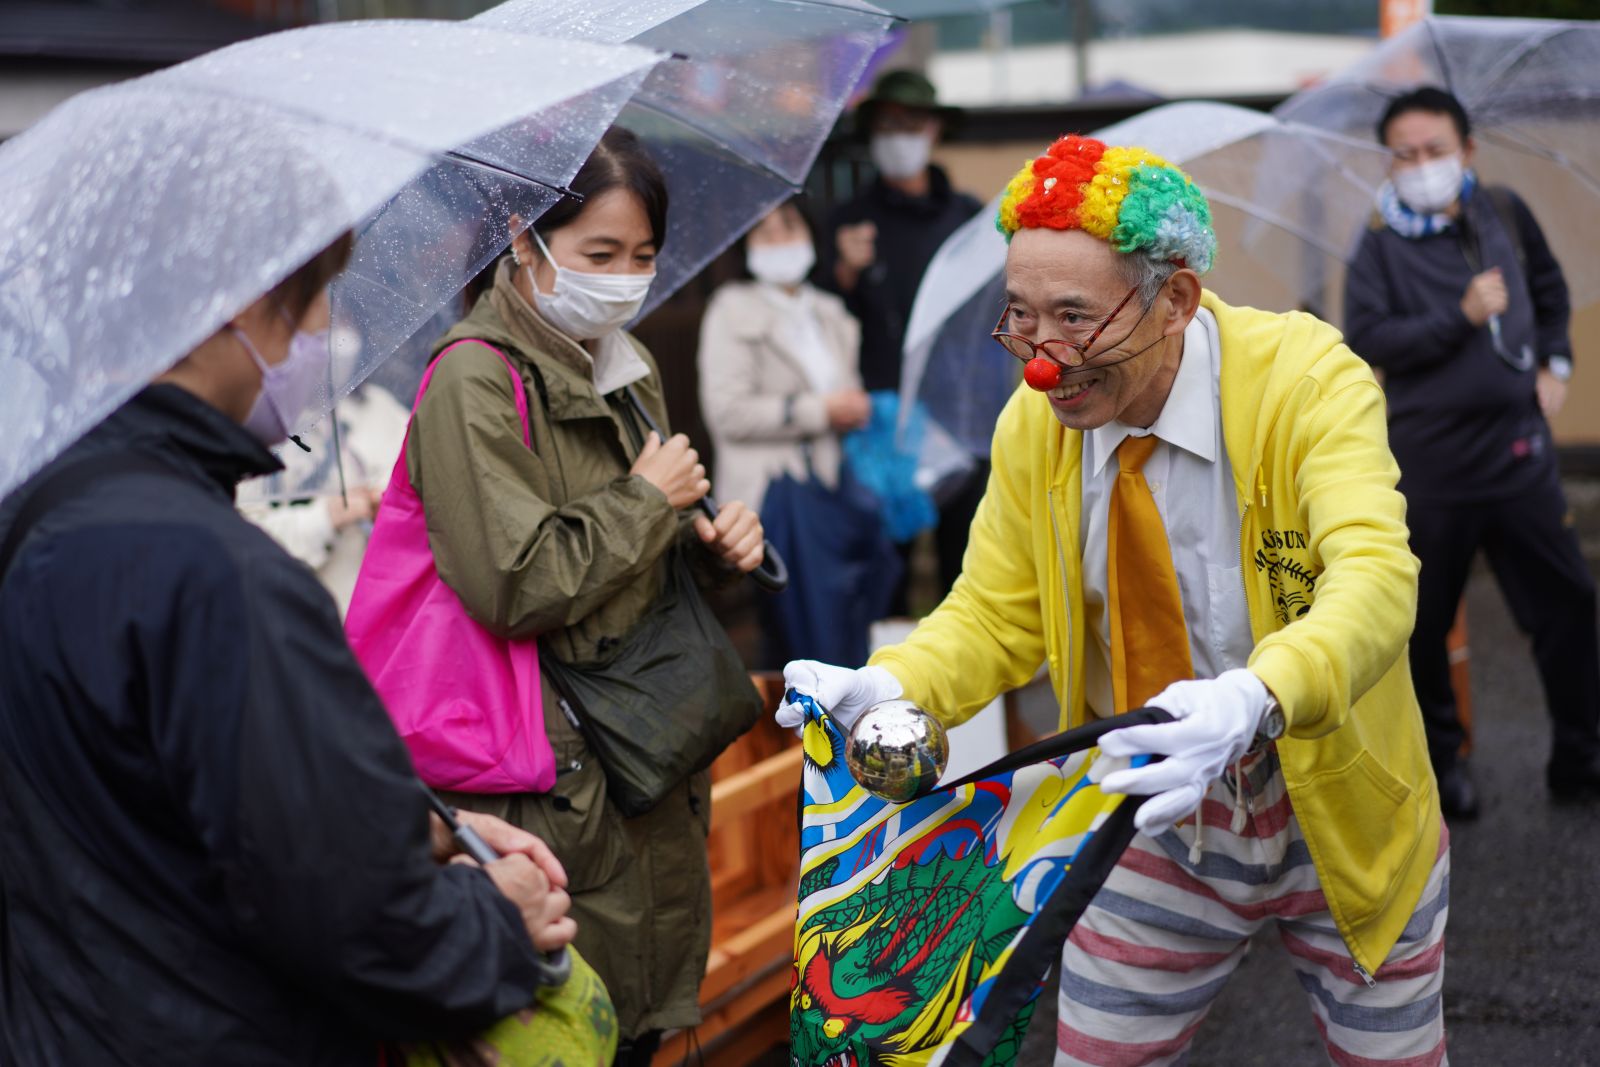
x=1162 y=937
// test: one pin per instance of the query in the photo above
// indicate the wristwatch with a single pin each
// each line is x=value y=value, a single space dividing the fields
x=1560 y=368
x=1270 y=728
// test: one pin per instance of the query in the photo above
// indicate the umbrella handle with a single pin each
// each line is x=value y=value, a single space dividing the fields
x=773 y=573
x=554 y=967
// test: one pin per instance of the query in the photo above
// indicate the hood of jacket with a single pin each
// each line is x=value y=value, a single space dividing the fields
x=566 y=370
x=170 y=423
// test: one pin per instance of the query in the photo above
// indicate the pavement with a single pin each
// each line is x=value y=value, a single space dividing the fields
x=1522 y=951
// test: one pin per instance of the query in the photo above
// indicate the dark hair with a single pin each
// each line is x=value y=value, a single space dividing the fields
x=619 y=161
x=1429 y=98
x=801 y=205
x=295 y=293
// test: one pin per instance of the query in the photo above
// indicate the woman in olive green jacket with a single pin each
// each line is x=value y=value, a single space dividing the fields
x=567 y=541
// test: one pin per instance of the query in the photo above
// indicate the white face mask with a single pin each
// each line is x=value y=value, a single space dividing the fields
x=785 y=264
x=584 y=305
x=1432 y=186
x=901 y=155
x=287 y=387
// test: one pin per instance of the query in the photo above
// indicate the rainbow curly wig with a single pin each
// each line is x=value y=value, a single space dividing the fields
x=1129 y=197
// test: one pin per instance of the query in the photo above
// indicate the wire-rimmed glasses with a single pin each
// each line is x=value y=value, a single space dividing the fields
x=1054 y=348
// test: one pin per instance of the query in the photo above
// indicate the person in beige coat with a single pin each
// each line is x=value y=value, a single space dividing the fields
x=778 y=366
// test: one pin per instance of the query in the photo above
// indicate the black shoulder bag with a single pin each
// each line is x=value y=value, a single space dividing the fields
x=665 y=700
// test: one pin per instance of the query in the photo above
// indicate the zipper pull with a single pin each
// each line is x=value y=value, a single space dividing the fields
x=572 y=719
x=1361 y=972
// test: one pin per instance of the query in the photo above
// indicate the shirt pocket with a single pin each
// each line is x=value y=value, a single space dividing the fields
x=1227 y=627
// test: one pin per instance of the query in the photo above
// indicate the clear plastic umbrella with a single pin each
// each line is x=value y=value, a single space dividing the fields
x=1275 y=249
x=936 y=9
x=737 y=122
x=1532 y=90
x=140 y=217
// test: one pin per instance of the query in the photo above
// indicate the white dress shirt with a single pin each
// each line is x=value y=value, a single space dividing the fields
x=1192 y=482
x=803 y=335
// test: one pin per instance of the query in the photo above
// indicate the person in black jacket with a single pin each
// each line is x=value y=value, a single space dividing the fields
x=1454 y=297
x=213 y=849
x=876 y=248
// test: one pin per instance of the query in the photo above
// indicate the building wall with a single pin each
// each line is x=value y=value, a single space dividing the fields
x=29 y=89
x=1202 y=64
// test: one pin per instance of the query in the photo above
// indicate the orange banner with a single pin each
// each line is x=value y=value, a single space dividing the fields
x=1396 y=15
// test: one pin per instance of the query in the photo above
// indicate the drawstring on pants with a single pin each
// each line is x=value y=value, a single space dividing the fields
x=1199 y=832
x=1235 y=826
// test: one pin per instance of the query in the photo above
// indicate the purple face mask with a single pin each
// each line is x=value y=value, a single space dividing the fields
x=287 y=387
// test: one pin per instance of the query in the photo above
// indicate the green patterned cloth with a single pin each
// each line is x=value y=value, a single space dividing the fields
x=570 y=1025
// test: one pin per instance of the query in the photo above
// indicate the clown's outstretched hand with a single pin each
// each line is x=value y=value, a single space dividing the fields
x=843 y=693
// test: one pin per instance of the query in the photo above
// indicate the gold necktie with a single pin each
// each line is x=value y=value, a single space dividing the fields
x=1149 y=641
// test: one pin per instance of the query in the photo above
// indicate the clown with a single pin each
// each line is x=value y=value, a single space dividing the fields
x=1193 y=506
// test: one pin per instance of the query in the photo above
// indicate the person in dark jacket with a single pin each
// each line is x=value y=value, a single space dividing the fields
x=1454 y=296
x=212 y=846
x=881 y=244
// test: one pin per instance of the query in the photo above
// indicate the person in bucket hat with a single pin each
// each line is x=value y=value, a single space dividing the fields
x=876 y=247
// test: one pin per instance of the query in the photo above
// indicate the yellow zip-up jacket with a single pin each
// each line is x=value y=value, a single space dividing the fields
x=1329 y=578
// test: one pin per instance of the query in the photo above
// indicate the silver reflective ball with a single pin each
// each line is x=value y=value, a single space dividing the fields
x=897 y=751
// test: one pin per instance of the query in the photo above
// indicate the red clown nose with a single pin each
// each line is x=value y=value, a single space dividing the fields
x=1042 y=373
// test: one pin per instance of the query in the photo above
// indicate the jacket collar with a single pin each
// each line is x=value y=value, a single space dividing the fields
x=611 y=363
x=770 y=320
x=529 y=327
x=934 y=203
x=1188 y=420
x=1264 y=358
x=193 y=435
x=561 y=365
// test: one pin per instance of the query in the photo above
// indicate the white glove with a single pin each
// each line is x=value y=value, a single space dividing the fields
x=843 y=693
x=1216 y=721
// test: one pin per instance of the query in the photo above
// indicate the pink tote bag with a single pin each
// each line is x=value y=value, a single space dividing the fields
x=466 y=702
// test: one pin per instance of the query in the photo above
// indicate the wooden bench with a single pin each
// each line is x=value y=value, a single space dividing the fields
x=755 y=861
